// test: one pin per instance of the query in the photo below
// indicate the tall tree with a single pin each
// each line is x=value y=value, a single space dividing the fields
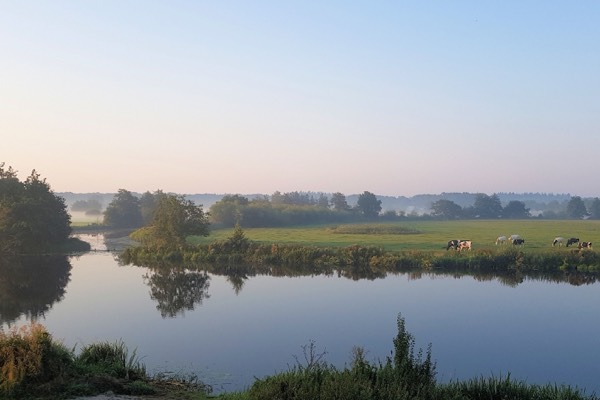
x=446 y=209
x=595 y=208
x=175 y=218
x=32 y=218
x=339 y=203
x=576 y=208
x=148 y=203
x=516 y=210
x=229 y=211
x=323 y=201
x=124 y=211
x=368 y=204
x=487 y=206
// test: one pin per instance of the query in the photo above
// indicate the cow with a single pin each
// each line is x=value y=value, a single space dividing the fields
x=501 y=240
x=513 y=237
x=572 y=241
x=464 y=244
x=586 y=245
x=518 y=241
x=558 y=241
x=453 y=244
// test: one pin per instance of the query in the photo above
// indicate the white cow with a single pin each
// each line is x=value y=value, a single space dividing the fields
x=558 y=241
x=501 y=240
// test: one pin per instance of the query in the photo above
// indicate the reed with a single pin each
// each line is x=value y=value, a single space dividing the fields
x=28 y=356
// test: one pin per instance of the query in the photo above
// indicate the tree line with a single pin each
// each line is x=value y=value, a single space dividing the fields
x=32 y=218
x=490 y=207
x=128 y=210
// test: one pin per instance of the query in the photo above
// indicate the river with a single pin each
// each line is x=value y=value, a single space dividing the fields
x=228 y=331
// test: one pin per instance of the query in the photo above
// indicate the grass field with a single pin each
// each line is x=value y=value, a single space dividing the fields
x=424 y=235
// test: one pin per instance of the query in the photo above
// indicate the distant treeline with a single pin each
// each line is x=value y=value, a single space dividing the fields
x=418 y=204
x=131 y=210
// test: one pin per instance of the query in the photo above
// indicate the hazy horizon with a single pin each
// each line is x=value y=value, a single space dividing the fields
x=395 y=98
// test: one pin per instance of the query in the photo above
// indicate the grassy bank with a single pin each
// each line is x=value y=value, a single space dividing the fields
x=304 y=250
x=34 y=366
x=430 y=236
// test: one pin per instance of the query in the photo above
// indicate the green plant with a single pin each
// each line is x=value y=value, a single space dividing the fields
x=28 y=355
x=112 y=359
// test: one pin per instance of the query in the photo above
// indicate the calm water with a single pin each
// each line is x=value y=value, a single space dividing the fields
x=228 y=331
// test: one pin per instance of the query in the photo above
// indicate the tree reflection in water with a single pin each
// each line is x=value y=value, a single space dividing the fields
x=30 y=285
x=177 y=289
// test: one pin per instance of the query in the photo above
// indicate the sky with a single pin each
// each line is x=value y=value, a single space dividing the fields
x=397 y=98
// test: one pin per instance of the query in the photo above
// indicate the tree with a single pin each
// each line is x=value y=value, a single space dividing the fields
x=339 y=203
x=175 y=218
x=516 y=210
x=148 y=203
x=487 y=206
x=576 y=208
x=323 y=201
x=595 y=208
x=229 y=210
x=446 y=209
x=124 y=211
x=32 y=218
x=368 y=204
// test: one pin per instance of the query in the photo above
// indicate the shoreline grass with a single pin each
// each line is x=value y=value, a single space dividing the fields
x=34 y=366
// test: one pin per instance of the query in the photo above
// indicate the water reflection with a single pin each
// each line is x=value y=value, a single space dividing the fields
x=177 y=289
x=29 y=286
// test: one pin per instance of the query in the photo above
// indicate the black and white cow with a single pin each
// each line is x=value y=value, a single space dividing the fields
x=558 y=241
x=453 y=244
x=512 y=238
x=572 y=241
x=518 y=242
x=586 y=245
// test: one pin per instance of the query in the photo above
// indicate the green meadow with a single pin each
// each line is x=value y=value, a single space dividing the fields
x=421 y=235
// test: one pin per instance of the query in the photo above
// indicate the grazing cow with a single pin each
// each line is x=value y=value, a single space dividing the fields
x=572 y=241
x=513 y=237
x=558 y=241
x=453 y=244
x=464 y=244
x=518 y=241
x=587 y=245
x=501 y=240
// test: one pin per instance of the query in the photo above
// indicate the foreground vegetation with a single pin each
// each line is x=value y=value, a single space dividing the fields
x=34 y=366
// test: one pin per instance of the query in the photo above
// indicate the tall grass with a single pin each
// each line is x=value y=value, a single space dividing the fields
x=113 y=359
x=34 y=366
x=28 y=355
x=404 y=375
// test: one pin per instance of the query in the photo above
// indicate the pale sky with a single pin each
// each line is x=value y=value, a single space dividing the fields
x=394 y=97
